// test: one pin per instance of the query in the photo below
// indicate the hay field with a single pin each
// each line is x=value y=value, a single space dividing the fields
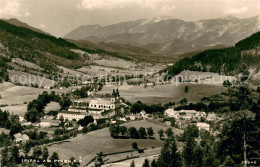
x=86 y=146
x=165 y=93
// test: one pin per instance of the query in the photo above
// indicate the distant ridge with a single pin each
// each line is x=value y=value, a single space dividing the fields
x=171 y=35
x=18 y=23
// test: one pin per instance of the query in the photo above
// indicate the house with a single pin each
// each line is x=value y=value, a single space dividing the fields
x=145 y=84
x=170 y=112
x=72 y=115
x=199 y=115
x=49 y=123
x=211 y=117
x=203 y=125
x=122 y=119
x=143 y=114
x=21 y=138
x=74 y=108
x=21 y=119
x=102 y=104
x=5 y=131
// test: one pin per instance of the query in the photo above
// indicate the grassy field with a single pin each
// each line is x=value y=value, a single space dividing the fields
x=86 y=146
x=13 y=95
x=26 y=78
x=26 y=63
x=19 y=110
x=165 y=93
x=52 y=106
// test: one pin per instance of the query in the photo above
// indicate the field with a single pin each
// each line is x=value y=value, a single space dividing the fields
x=26 y=63
x=86 y=146
x=17 y=95
x=165 y=93
x=26 y=78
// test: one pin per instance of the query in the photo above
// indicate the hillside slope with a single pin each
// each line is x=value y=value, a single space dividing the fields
x=22 y=24
x=232 y=60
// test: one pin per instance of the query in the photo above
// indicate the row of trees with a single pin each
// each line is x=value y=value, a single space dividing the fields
x=154 y=108
x=117 y=131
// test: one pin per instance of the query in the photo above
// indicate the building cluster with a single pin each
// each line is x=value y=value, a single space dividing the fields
x=183 y=117
x=98 y=108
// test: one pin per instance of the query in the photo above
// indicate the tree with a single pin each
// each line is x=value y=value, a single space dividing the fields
x=142 y=132
x=15 y=154
x=4 y=157
x=73 y=163
x=164 y=158
x=258 y=89
x=176 y=159
x=190 y=131
x=123 y=130
x=238 y=136
x=132 y=164
x=146 y=163
x=150 y=132
x=186 y=89
x=26 y=148
x=86 y=120
x=183 y=101
x=133 y=133
x=45 y=153
x=54 y=159
x=227 y=83
x=134 y=145
x=189 y=151
x=169 y=132
x=99 y=160
x=153 y=163
x=114 y=130
x=161 y=133
x=37 y=152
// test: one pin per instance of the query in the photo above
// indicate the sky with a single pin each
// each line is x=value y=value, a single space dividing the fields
x=58 y=17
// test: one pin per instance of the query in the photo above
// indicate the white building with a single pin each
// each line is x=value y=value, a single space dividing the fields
x=203 y=125
x=19 y=138
x=198 y=115
x=102 y=104
x=77 y=109
x=49 y=123
x=172 y=113
x=211 y=117
x=71 y=115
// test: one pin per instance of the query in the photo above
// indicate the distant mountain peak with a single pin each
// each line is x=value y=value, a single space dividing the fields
x=171 y=35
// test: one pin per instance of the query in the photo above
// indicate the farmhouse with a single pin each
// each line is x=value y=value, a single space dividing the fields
x=143 y=114
x=49 y=123
x=19 y=138
x=202 y=125
x=172 y=113
x=198 y=115
x=211 y=117
x=187 y=114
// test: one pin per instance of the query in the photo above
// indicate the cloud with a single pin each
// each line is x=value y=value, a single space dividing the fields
x=42 y=25
x=12 y=8
x=235 y=11
x=161 y=5
x=258 y=6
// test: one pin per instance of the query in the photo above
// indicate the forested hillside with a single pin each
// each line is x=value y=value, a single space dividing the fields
x=228 y=60
x=45 y=50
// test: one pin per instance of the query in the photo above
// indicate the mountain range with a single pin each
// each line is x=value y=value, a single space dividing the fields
x=170 y=36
